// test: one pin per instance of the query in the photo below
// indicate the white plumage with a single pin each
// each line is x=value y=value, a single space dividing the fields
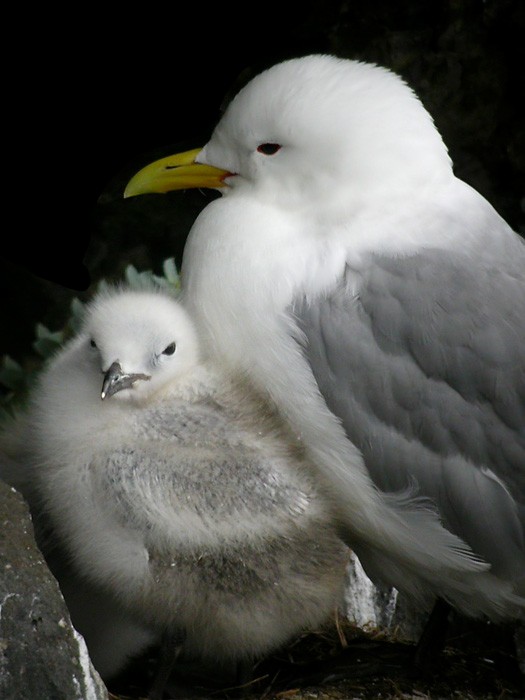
x=378 y=300
x=183 y=504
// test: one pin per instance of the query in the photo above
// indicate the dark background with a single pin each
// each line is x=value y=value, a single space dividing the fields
x=90 y=97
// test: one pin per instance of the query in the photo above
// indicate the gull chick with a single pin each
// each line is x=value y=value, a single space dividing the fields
x=176 y=491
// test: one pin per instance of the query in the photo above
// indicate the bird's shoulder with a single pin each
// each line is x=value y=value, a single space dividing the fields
x=425 y=302
x=428 y=346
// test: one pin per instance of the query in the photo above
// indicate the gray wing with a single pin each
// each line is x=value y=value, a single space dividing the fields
x=425 y=366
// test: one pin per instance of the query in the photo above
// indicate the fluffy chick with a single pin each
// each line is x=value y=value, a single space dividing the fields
x=176 y=491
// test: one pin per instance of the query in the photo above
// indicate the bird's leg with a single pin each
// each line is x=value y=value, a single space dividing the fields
x=432 y=639
x=171 y=646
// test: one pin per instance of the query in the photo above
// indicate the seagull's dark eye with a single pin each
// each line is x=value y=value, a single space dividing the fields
x=92 y=343
x=170 y=349
x=269 y=149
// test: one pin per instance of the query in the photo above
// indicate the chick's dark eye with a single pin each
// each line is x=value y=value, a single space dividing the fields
x=170 y=349
x=269 y=149
x=92 y=343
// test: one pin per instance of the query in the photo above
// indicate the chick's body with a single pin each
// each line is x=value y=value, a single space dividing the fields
x=189 y=503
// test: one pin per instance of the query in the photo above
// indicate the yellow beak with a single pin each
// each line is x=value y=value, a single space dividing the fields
x=177 y=172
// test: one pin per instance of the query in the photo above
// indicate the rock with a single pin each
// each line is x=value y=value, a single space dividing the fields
x=42 y=656
x=383 y=609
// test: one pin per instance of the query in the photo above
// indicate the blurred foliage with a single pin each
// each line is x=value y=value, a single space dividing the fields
x=16 y=379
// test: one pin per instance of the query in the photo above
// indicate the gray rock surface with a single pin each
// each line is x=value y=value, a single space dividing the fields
x=42 y=657
x=384 y=609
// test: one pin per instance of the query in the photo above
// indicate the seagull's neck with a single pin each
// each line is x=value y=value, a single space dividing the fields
x=244 y=256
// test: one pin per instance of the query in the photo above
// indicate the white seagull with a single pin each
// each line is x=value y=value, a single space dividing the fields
x=380 y=303
x=176 y=491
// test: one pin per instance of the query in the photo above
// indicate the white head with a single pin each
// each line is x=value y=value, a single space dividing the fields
x=310 y=123
x=140 y=341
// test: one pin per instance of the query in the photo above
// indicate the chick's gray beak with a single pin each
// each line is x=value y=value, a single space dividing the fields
x=115 y=379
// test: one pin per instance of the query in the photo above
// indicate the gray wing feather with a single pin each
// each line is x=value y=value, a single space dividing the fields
x=425 y=366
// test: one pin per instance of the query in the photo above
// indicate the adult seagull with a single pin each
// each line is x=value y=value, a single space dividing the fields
x=380 y=301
